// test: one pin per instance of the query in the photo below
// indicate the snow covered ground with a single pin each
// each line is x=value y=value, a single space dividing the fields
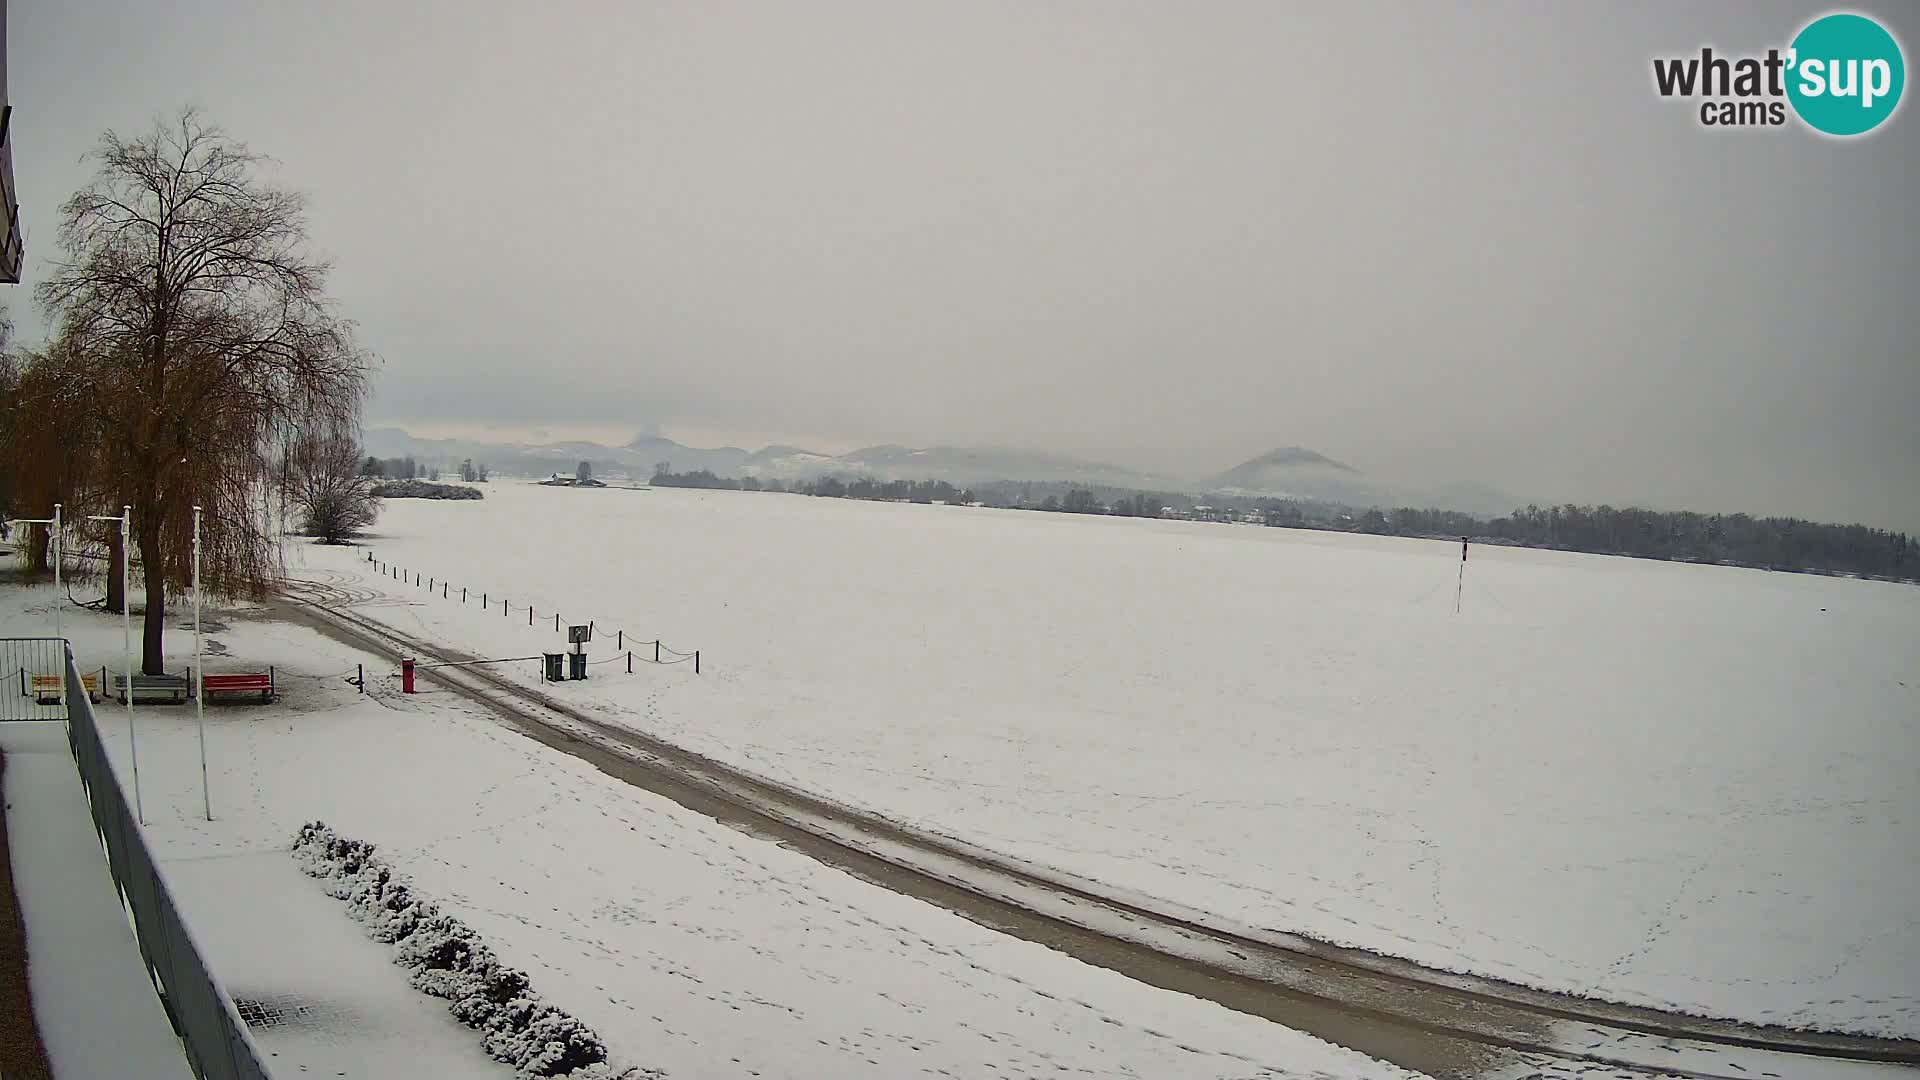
x=686 y=944
x=1683 y=786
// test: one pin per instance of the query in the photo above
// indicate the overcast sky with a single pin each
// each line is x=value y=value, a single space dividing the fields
x=1438 y=242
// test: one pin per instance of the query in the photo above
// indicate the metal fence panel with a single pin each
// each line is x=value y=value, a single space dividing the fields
x=32 y=673
x=218 y=1045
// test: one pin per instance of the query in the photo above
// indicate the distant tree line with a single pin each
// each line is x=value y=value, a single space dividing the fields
x=1776 y=543
x=833 y=487
x=399 y=468
x=406 y=468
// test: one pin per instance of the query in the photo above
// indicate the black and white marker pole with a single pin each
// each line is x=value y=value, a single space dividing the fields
x=1462 y=582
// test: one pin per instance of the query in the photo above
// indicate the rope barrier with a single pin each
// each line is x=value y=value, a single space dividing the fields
x=506 y=607
x=282 y=673
x=471 y=663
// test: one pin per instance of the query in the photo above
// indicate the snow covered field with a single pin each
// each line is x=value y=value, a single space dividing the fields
x=686 y=944
x=1683 y=786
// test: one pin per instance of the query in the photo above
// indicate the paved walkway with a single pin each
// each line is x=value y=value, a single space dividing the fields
x=97 y=1009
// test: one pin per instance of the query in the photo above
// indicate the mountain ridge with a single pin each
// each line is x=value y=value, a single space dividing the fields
x=1283 y=472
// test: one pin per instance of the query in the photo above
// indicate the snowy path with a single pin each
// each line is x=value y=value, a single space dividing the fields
x=97 y=1009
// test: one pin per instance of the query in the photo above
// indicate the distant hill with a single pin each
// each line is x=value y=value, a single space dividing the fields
x=1297 y=472
x=1284 y=462
x=1290 y=471
x=637 y=459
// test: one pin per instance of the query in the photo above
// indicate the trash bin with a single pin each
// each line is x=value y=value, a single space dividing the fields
x=554 y=672
x=576 y=665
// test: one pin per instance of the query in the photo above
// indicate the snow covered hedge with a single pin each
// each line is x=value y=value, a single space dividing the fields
x=446 y=958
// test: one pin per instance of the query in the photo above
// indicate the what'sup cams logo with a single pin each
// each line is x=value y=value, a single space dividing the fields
x=1842 y=75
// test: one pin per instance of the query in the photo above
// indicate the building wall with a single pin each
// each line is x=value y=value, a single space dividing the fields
x=11 y=243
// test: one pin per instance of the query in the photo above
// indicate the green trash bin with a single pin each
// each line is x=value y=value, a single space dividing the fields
x=555 y=670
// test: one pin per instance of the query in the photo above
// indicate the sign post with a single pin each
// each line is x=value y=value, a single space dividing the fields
x=578 y=636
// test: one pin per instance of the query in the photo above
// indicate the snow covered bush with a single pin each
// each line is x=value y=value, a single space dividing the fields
x=446 y=958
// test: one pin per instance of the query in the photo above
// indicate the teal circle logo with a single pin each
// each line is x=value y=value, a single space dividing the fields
x=1845 y=74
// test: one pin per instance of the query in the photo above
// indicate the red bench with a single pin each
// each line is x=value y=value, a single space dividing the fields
x=240 y=683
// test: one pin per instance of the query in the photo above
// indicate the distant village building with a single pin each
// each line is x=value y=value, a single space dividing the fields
x=556 y=480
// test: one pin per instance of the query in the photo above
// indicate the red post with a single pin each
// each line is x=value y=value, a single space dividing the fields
x=406 y=675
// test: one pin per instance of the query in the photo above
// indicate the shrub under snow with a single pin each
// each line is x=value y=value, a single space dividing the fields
x=446 y=958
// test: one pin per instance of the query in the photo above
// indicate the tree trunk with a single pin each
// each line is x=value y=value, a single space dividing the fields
x=40 y=547
x=153 y=624
x=116 y=596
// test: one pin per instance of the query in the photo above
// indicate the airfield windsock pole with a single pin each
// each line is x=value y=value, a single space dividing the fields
x=126 y=633
x=1462 y=582
x=199 y=677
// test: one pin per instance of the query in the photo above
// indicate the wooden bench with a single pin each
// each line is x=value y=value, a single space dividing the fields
x=240 y=683
x=46 y=688
x=171 y=688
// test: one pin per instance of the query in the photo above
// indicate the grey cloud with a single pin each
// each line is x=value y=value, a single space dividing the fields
x=1440 y=242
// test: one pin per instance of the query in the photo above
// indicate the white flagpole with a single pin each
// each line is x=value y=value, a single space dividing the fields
x=126 y=636
x=199 y=679
x=58 y=594
x=53 y=545
x=126 y=633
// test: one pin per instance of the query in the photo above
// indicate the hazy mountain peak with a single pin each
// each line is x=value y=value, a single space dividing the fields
x=1298 y=455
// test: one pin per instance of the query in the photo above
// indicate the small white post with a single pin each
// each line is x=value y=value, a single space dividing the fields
x=199 y=678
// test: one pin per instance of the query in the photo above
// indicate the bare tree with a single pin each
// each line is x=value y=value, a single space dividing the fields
x=201 y=333
x=334 y=495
